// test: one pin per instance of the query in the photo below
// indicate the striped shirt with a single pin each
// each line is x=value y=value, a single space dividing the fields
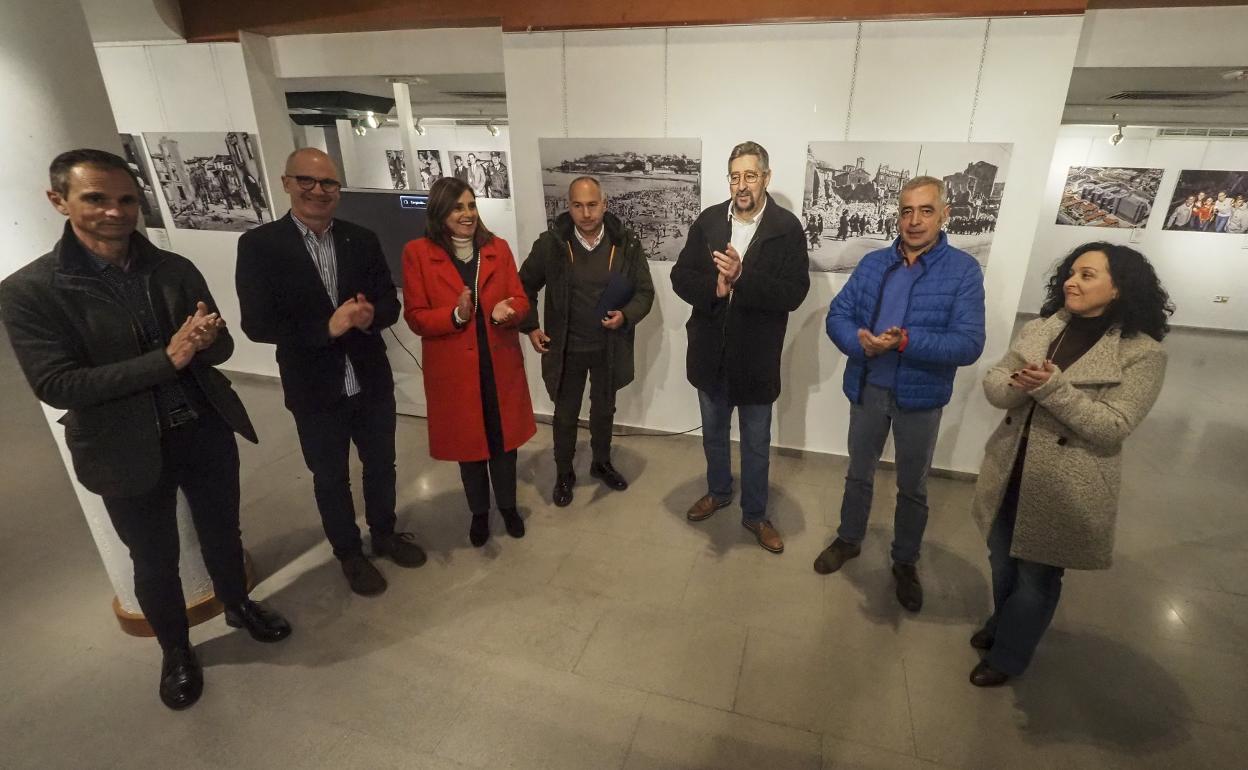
x=325 y=257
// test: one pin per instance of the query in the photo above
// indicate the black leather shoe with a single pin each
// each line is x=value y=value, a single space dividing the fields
x=364 y=578
x=563 y=489
x=835 y=555
x=264 y=624
x=479 y=530
x=984 y=675
x=909 y=591
x=609 y=475
x=401 y=548
x=512 y=521
x=181 y=678
x=982 y=639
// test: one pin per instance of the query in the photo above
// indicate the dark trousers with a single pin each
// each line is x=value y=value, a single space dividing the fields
x=499 y=471
x=576 y=367
x=326 y=438
x=1024 y=593
x=201 y=458
x=914 y=442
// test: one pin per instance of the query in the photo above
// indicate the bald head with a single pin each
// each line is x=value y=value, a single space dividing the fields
x=585 y=185
x=312 y=182
x=587 y=205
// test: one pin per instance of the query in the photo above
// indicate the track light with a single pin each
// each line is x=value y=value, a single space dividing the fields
x=360 y=129
x=1116 y=137
x=493 y=129
x=370 y=120
x=419 y=129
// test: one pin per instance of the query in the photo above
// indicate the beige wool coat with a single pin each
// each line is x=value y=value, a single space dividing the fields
x=1068 y=500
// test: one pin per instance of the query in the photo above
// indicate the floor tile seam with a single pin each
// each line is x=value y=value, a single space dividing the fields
x=736 y=691
x=905 y=678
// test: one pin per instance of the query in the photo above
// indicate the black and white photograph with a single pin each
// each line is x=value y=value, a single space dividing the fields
x=1209 y=202
x=849 y=205
x=132 y=148
x=429 y=163
x=653 y=185
x=485 y=171
x=397 y=166
x=1108 y=196
x=211 y=181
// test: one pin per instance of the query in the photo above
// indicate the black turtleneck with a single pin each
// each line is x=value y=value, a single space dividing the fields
x=1077 y=338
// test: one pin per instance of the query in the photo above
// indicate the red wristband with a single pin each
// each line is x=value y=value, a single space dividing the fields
x=905 y=340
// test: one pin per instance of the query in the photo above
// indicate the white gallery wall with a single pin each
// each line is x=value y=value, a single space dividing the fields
x=1195 y=267
x=784 y=86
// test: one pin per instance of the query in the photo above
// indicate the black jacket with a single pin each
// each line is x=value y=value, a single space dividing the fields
x=739 y=338
x=79 y=348
x=548 y=265
x=283 y=301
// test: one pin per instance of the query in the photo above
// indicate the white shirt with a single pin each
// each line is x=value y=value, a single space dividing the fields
x=588 y=244
x=742 y=231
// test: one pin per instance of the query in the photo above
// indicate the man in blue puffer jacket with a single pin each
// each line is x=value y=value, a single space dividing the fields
x=909 y=316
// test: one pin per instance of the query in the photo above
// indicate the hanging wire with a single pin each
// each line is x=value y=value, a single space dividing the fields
x=979 y=79
x=853 y=81
x=665 y=55
x=563 y=66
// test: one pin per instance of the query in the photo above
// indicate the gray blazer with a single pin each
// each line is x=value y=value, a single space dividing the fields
x=1068 y=500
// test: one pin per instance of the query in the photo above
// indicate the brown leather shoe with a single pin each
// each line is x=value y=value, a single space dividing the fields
x=704 y=507
x=765 y=534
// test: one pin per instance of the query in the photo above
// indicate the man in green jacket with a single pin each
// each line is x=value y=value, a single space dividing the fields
x=597 y=289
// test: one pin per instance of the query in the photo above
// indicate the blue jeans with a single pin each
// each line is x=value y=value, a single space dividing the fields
x=1024 y=595
x=754 y=421
x=914 y=434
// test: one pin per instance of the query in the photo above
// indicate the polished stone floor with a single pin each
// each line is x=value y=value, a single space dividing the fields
x=617 y=635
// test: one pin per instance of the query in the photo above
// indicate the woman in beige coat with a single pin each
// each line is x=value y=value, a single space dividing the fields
x=1075 y=383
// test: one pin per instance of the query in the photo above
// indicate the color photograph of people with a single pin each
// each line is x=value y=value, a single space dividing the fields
x=1209 y=202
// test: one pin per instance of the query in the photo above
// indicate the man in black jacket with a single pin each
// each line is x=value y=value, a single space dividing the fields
x=586 y=258
x=319 y=289
x=743 y=269
x=124 y=337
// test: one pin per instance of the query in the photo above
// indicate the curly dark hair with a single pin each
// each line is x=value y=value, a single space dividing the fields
x=1142 y=304
x=443 y=197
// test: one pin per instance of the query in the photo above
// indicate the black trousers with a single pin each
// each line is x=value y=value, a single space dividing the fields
x=326 y=438
x=576 y=367
x=498 y=471
x=201 y=458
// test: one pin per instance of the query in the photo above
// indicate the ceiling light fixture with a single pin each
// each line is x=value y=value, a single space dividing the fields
x=419 y=129
x=1117 y=136
x=370 y=120
x=493 y=129
x=360 y=129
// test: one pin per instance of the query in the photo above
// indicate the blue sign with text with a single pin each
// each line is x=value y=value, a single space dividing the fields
x=413 y=201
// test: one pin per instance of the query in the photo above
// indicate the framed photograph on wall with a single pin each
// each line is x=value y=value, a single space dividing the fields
x=653 y=185
x=429 y=164
x=132 y=147
x=849 y=203
x=211 y=181
x=1209 y=202
x=1108 y=196
x=485 y=171
x=397 y=166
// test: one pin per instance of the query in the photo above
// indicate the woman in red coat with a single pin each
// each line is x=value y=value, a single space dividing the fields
x=462 y=295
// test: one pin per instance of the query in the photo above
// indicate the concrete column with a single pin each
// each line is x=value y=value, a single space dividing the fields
x=51 y=79
x=407 y=130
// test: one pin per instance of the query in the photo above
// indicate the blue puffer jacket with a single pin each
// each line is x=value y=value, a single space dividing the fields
x=944 y=321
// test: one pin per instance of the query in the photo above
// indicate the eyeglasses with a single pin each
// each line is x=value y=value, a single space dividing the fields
x=750 y=177
x=307 y=183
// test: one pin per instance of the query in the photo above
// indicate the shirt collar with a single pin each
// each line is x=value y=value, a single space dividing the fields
x=590 y=245
x=732 y=213
x=304 y=230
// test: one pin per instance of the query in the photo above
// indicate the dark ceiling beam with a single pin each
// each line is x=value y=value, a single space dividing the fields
x=222 y=19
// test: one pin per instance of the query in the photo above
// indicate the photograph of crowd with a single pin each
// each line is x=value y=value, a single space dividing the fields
x=1108 y=196
x=397 y=166
x=132 y=151
x=653 y=185
x=485 y=171
x=1209 y=202
x=429 y=165
x=849 y=204
x=211 y=181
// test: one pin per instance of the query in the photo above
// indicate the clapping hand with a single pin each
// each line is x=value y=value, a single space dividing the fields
x=873 y=345
x=503 y=312
x=1032 y=376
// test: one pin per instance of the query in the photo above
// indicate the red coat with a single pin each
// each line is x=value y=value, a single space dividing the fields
x=431 y=289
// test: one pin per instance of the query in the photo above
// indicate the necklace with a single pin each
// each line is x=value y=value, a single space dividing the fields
x=1061 y=337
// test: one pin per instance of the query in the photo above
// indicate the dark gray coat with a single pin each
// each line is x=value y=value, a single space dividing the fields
x=549 y=265
x=79 y=349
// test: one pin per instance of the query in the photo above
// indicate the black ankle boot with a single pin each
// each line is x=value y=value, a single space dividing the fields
x=479 y=532
x=512 y=521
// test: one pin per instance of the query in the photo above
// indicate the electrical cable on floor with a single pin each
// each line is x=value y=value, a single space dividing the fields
x=618 y=434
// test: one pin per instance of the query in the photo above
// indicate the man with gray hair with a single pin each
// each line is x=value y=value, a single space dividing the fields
x=744 y=268
x=598 y=288
x=910 y=315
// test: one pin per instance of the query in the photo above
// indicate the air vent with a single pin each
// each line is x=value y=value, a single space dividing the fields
x=1232 y=133
x=1170 y=96
x=479 y=96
